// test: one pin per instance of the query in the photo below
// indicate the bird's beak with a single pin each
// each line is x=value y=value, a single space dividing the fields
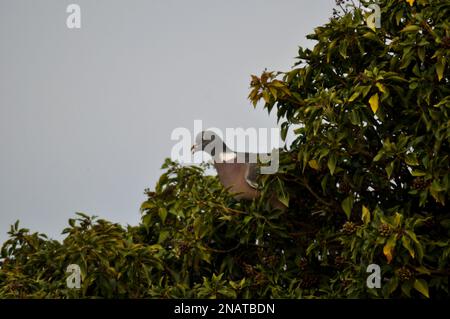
x=194 y=148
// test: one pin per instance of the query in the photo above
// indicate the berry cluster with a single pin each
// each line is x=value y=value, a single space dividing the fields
x=349 y=228
x=385 y=230
x=404 y=274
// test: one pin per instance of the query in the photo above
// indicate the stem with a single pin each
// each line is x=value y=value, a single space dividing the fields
x=305 y=183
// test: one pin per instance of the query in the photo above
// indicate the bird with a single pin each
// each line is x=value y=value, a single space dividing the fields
x=238 y=172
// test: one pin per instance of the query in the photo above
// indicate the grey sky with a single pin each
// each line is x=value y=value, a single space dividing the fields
x=86 y=115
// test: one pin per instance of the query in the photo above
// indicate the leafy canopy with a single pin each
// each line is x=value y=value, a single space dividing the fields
x=366 y=181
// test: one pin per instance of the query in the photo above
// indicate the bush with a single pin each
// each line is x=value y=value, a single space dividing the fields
x=366 y=181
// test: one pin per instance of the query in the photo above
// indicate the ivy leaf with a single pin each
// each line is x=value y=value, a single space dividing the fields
x=354 y=96
x=440 y=67
x=381 y=87
x=406 y=288
x=397 y=220
x=418 y=173
x=314 y=164
x=412 y=236
x=162 y=212
x=421 y=286
x=411 y=159
x=390 y=287
x=410 y=28
x=379 y=156
x=373 y=101
x=388 y=249
x=146 y=206
x=283 y=196
x=406 y=242
x=347 y=205
x=365 y=215
x=332 y=163
x=390 y=168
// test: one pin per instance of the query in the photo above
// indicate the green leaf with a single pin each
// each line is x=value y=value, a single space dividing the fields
x=146 y=220
x=347 y=205
x=247 y=219
x=381 y=87
x=406 y=288
x=406 y=242
x=411 y=159
x=365 y=215
x=283 y=195
x=390 y=287
x=379 y=156
x=343 y=49
x=146 y=206
x=397 y=220
x=421 y=286
x=418 y=173
x=284 y=200
x=440 y=67
x=412 y=236
x=355 y=119
x=390 y=168
x=162 y=212
x=410 y=28
x=423 y=270
x=421 y=53
x=163 y=235
x=419 y=251
x=354 y=96
x=332 y=163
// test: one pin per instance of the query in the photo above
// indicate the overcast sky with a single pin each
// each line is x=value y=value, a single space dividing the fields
x=86 y=114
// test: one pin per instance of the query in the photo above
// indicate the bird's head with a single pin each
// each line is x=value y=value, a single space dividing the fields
x=209 y=142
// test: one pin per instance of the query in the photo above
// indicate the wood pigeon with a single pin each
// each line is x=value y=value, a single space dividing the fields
x=238 y=172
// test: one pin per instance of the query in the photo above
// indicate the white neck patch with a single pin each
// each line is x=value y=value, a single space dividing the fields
x=224 y=157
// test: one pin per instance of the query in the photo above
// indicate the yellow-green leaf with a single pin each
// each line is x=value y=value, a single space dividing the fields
x=390 y=168
x=388 y=249
x=347 y=205
x=397 y=219
x=162 y=212
x=146 y=206
x=440 y=66
x=373 y=101
x=354 y=96
x=314 y=164
x=410 y=28
x=365 y=215
x=411 y=2
x=266 y=96
x=332 y=163
x=406 y=242
x=417 y=172
x=381 y=87
x=411 y=159
x=421 y=286
x=412 y=236
x=423 y=270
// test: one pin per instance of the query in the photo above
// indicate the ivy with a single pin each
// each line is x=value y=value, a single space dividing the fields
x=366 y=181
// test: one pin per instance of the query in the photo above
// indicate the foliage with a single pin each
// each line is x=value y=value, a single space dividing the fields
x=366 y=182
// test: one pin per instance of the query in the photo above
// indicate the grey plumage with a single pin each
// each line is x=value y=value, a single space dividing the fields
x=238 y=172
